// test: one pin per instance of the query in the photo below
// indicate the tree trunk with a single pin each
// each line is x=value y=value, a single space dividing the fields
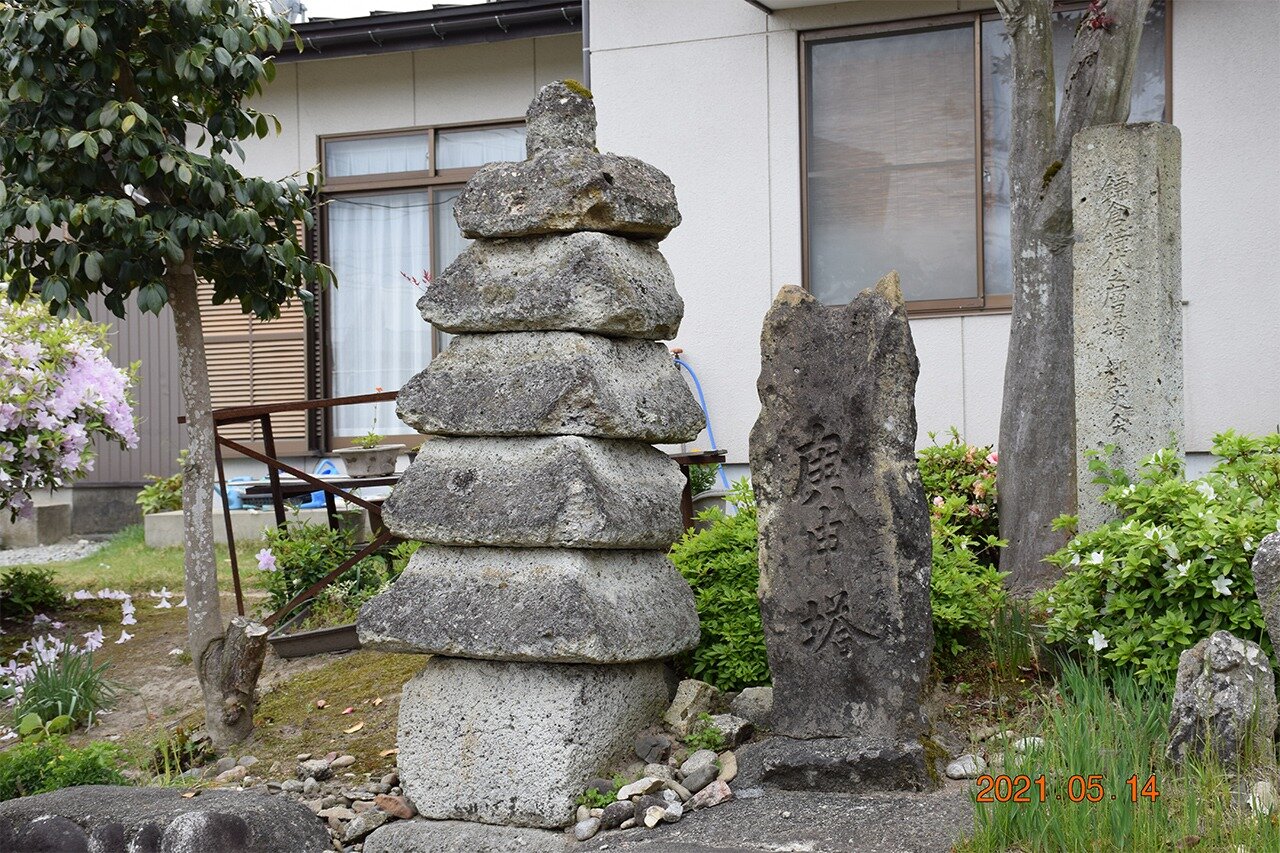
x=1037 y=421
x=227 y=666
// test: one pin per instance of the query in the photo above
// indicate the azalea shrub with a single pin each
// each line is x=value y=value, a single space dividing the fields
x=722 y=565
x=1175 y=565
x=966 y=588
x=58 y=391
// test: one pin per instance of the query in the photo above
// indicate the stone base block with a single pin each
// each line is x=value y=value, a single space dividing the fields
x=516 y=743
x=535 y=604
x=841 y=765
x=49 y=523
x=452 y=836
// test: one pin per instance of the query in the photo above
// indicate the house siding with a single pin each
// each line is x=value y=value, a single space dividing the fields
x=723 y=120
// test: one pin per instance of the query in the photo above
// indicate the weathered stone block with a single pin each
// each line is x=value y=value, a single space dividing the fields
x=1266 y=584
x=1224 y=703
x=584 y=282
x=845 y=547
x=535 y=604
x=454 y=836
x=568 y=189
x=552 y=383
x=1127 y=264
x=561 y=115
x=516 y=743
x=565 y=492
x=114 y=819
x=843 y=765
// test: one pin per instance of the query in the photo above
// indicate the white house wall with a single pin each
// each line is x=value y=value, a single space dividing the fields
x=445 y=85
x=708 y=91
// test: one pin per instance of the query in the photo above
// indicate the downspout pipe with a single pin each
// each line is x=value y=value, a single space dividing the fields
x=586 y=43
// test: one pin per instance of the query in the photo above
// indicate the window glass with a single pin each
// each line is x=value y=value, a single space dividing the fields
x=891 y=171
x=1148 y=104
x=461 y=149
x=377 y=155
x=373 y=239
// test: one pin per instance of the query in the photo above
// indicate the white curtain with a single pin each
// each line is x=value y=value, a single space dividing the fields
x=377 y=337
x=458 y=149
x=378 y=155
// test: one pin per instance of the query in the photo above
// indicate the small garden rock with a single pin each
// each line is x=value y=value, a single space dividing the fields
x=1027 y=744
x=314 y=768
x=629 y=823
x=967 y=766
x=754 y=704
x=342 y=761
x=363 y=825
x=681 y=791
x=660 y=771
x=654 y=815
x=736 y=730
x=337 y=812
x=713 y=795
x=1224 y=701
x=232 y=775
x=673 y=812
x=585 y=829
x=291 y=786
x=728 y=767
x=311 y=787
x=653 y=749
x=641 y=786
x=701 y=776
x=698 y=759
x=615 y=814
x=693 y=698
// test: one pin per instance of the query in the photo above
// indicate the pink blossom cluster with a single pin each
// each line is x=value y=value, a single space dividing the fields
x=58 y=391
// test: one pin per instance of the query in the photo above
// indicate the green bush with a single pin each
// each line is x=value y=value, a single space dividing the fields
x=1175 y=566
x=302 y=553
x=162 y=494
x=69 y=684
x=702 y=478
x=722 y=566
x=27 y=591
x=960 y=486
x=34 y=767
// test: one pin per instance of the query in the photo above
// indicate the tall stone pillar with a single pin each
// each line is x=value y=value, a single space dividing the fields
x=543 y=590
x=845 y=548
x=1125 y=184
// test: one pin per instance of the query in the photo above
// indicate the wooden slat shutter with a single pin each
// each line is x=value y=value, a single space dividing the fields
x=253 y=362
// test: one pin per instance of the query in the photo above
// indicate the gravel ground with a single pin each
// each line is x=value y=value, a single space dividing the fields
x=61 y=552
x=810 y=823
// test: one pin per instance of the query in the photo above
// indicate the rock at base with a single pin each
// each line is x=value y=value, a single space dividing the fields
x=534 y=604
x=1224 y=703
x=552 y=383
x=111 y=819
x=565 y=492
x=517 y=743
x=453 y=836
x=845 y=548
x=840 y=765
x=584 y=282
x=568 y=189
x=1266 y=585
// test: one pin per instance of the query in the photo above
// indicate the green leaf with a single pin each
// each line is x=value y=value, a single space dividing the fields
x=89 y=40
x=93 y=266
x=60 y=724
x=77 y=139
x=72 y=37
x=29 y=724
x=127 y=124
x=91 y=146
x=184 y=174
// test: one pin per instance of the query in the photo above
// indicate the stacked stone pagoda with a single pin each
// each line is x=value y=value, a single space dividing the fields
x=544 y=590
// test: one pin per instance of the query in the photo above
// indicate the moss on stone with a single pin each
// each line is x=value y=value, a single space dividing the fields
x=577 y=88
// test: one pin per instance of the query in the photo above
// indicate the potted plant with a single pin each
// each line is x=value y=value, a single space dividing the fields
x=370 y=457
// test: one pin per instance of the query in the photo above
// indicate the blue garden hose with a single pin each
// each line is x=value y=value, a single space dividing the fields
x=702 y=401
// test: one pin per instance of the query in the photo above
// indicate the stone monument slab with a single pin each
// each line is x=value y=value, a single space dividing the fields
x=1127 y=261
x=845 y=547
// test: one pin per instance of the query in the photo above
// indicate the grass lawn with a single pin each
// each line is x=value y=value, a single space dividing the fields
x=127 y=563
